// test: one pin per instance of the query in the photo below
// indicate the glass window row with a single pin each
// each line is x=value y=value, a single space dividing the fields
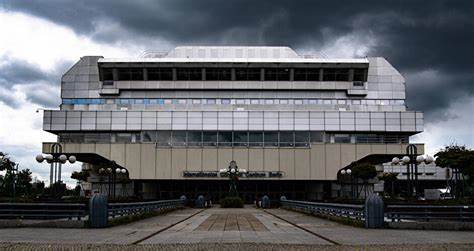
x=226 y=74
x=223 y=101
x=231 y=138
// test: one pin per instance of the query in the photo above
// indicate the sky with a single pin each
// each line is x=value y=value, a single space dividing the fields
x=429 y=42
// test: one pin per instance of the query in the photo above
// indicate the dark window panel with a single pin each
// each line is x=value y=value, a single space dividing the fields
x=342 y=75
x=160 y=74
x=194 y=138
x=247 y=74
x=209 y=138
x=241 y=139
x=270 y=138
x=342 y=138
x=148 y=136
x=316 y=136
x=194 y=74
x=178 y=138
x=225 y=139
x=218 y=74
x=306 y=74
x=287 y=139
x=163 y=138
x=277 y=74
x=107 y=74
x=329 y=74
x=360 y=75
x=255 y=138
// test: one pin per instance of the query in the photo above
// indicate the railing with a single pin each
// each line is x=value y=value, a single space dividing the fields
x=43 y=211
x=429 y=212
x=326 y=209
x=123 y=209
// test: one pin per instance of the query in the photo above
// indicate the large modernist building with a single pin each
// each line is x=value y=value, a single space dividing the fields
x=174 y=119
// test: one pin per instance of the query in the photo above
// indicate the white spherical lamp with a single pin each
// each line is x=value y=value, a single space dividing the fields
x=39 y=158
x=395 y=161
x=420 y=158
x=63 y=158
x=406 y=159
x=118 y=170
x=124 y=170
x=429 y=159
x=349 y=171
x=232 y=170
x=343 y=172
x=72 y=159
x=48 y=157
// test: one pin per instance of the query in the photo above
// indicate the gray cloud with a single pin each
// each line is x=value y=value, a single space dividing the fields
x=415 y=36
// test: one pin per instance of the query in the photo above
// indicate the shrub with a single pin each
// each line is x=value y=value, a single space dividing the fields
x=231 y=202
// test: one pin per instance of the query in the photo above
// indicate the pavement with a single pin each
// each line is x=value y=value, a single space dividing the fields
x=230 y=229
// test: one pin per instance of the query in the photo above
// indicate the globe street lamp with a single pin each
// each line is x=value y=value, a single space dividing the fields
x=56 y=159
x=411 y=160
x=233 y=172
x=112 y=173
x=348 y=172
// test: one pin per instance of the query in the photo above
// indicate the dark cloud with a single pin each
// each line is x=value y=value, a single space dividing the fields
x=415 y=36
x=15 y=71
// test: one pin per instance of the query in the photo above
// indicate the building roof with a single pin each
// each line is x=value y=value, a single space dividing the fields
x=231 y=54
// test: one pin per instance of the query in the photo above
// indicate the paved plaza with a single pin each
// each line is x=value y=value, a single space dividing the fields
x=235 y=228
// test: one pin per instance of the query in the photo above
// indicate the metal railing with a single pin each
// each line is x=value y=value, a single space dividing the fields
x=43 y=211
x=124 y=209
x=429 y=213
x=326 y=209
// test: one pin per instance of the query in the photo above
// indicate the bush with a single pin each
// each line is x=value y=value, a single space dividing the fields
x=231 y=202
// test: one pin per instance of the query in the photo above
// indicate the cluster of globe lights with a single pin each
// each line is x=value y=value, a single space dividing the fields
x=50 y=158
x=406 y=160
x=109 y=170
x=233 y=169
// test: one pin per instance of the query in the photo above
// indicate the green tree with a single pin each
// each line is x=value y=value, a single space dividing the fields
x=365 y=172
x=461 y=160
x=14 y=182
x=390 y=178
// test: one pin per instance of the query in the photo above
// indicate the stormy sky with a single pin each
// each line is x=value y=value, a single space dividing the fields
x=429 y=42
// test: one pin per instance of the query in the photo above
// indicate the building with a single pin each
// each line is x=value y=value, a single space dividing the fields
x=174 y=119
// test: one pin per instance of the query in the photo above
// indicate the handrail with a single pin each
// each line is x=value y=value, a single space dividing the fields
x=326 y=209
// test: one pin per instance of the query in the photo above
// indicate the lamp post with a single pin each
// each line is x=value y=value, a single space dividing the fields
x=411 y=160
x=56 y=159
x=111 y=173
x=348 y=172
x=233 y=173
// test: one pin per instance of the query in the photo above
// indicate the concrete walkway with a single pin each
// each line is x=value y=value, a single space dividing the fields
x=247 y=226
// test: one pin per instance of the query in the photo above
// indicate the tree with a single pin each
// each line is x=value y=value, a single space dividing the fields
x=365 y=172
x=14 y=182
x=80 y=176
x=390 y=178
x=461 y=160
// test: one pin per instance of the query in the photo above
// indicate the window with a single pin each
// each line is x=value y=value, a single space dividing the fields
x=194 y=138
x=316 y=137
x=178 y=138
x=209 y=138
x=360 y=75
x=270 y=138
x=287 y=139
x=301 y=139
x=163 y=138
x=160 y=74
x=255 y=139
x=189 y=74
x=123 y=138
x=331 y=74
x=277 y=74
x=148 y=136
x=342 y=138
x=225 y=139
x=225 y=101
x=241 y=139
x=218 y=74
x=306 y=74
x=247 y=74
x=107 y=74
x=130 y=74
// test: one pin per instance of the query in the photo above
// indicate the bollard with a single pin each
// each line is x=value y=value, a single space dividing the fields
x=200 y=201
x=265 y=202
x=374 y=212
x=98 y=211
x=183 y=199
